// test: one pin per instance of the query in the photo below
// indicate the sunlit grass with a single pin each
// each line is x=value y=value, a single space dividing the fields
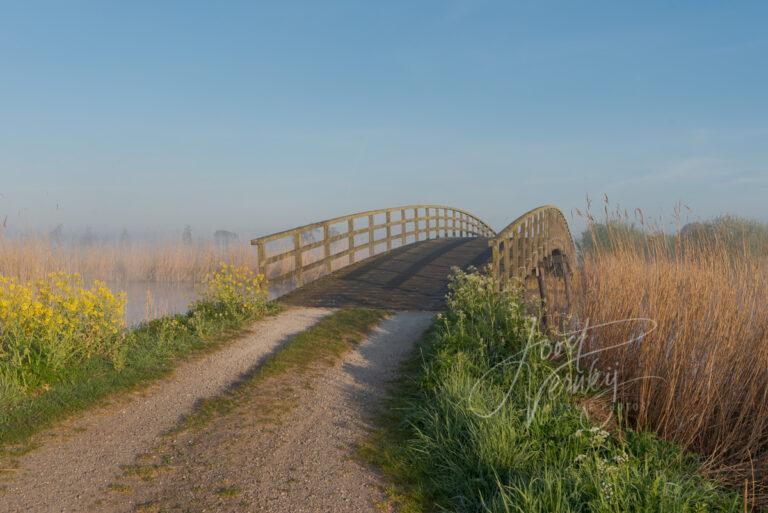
x=446 y=447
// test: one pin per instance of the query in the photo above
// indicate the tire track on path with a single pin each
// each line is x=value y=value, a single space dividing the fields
x=76 y=460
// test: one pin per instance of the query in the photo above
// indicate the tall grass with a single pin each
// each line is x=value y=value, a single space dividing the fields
x=481 y=427
x=699 y=377
x=30 y=258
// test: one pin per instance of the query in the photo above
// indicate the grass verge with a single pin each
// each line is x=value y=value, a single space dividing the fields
x=322 y=344
x=482 y=421
x=152 y=350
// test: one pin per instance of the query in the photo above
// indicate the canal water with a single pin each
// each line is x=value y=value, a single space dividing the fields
x=150 y=300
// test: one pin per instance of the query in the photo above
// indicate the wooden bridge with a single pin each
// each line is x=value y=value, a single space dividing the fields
x=400 y=258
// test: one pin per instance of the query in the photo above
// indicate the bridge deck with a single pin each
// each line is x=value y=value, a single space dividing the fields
x=414 y=277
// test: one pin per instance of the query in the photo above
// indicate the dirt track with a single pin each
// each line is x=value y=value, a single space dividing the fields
x=78 y=459
x=297 y=457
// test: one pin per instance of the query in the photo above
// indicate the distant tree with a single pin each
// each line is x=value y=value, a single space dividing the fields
x=224 y=238
x=57 y=235
x=125 y=238
x=186 y=235
x=611 y=236
x=735 y=234
x=88 y=238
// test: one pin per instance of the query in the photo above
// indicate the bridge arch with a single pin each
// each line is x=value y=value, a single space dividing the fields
x=537 y=244
x=308 y=252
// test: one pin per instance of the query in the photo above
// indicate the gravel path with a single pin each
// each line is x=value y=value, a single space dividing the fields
x=76 y=461
x=298 y=459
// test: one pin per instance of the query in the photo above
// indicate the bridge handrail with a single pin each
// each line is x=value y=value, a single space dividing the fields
x=462 y=224
x=530 y=240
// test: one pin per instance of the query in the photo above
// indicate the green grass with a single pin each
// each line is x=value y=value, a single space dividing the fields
x=229 y=491
x=322 y=344
x=152 y=350
x=441 y=455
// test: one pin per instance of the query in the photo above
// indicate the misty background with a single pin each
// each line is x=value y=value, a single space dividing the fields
x=253 y=117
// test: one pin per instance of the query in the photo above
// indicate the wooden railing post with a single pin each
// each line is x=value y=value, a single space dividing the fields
x=327 y=247
x=416 y=223
x=262 y=256
x=351 y=240
x=429 y=231
x=445 y=223
x=389 y=231
x=403 y=224
x=370 y=235
x=444 y=219
x=297 y=258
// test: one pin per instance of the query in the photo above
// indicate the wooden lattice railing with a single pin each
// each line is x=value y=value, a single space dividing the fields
x=328 y=245
x=538 y=243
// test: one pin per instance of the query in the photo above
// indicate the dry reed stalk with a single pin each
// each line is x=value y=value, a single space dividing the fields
x=700 y=377
x=31 y=258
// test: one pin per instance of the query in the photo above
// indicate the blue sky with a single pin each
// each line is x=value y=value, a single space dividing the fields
x=257 y=116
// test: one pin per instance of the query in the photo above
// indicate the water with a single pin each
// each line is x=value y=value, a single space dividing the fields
x=150 y=300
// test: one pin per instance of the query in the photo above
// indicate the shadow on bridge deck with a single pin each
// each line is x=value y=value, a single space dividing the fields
x=414 y=277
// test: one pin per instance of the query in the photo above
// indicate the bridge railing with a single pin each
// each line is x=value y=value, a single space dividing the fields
x=538 y=243
x=327 y=245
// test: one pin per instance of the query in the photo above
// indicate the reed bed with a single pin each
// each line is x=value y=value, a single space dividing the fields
x=30 y=258
x=699 y=374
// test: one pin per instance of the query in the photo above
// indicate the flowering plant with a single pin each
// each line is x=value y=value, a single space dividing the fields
x=47 y=323
x=236 y=292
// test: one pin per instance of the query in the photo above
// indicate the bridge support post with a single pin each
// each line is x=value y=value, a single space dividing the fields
x=507 y=265
x=495 y=265
x=542 y=295
x=566 y=283
x=389 y=230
